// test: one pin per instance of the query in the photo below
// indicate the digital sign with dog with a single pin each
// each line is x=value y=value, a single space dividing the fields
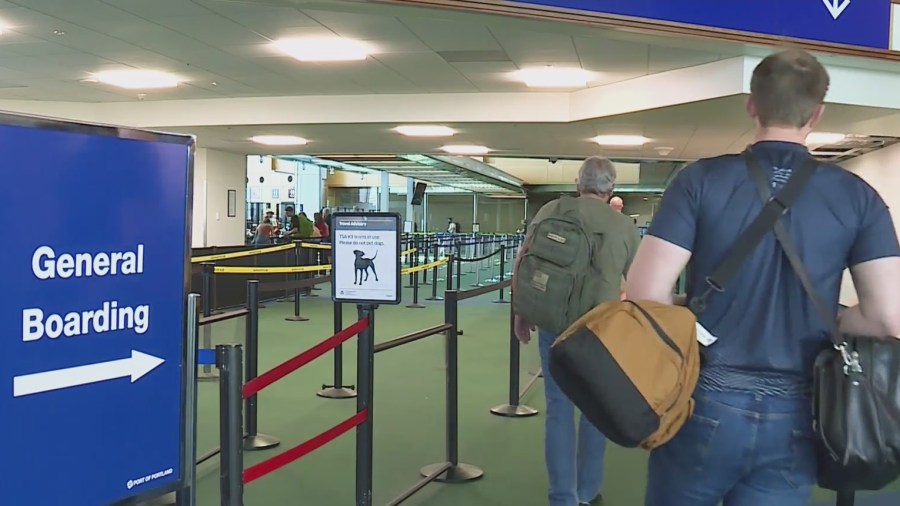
x=366 y=249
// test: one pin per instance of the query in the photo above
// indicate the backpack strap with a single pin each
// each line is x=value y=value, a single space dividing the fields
x=758 y=175
x=775 y=207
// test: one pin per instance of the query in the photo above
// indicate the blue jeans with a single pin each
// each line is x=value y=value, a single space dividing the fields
x=575 y=469
x=740 y=448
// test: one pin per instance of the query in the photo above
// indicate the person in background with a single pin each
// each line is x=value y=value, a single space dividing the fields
x=321 y=226
x=750 y=440
x=574 y=458
x=326 y=217
x=263 y=233
x=617 y=204
x=276 y=226
x=301 y=227
x=451 y=226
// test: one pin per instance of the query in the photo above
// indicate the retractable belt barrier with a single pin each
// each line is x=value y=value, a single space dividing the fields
x=235 y=394
x=241 y=254
x=233 y=391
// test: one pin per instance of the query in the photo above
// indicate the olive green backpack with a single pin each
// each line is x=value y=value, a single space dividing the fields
x=557 y=281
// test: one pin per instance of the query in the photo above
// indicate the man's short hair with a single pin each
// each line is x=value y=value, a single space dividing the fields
x=597 y=175
x=787 y=87
x=289 y=208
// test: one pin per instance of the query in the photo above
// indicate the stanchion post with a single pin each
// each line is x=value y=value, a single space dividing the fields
x=207 y=373
x=458 y=472
x=231 y=483
x=427 y=260
x=254 y=440
x=513 y=408
x=501 y=300
x=338 y=390
x=306 y=254
x=297 y=277
x=449 y=286
x=365 y=374
x=846 y=498
x=415 y=303
x=413 y=259
x=434 y=278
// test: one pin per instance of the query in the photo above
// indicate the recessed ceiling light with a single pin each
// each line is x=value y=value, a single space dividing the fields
x=279 y=140
x=323 y=49
x=553 y=77
x=425 y=130
x=466 y=149
x=621 y=140
x=137 y=79
x=820 y=138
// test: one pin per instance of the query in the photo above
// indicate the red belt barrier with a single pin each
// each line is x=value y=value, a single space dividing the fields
x=283 y=459
x=253 y=386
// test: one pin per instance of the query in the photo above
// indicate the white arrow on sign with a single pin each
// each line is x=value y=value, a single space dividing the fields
x=137 y=366
x=836 y=7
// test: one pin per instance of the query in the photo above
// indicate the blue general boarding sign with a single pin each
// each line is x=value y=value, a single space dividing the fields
x=864 y=23
x=93 y=321
x=366 y=258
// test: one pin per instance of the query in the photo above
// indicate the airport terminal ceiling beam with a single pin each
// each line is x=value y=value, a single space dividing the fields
x=571 y=188
x=852 y=42
x=468 y=168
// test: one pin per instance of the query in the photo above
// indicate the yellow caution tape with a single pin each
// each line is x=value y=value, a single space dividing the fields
x=407 y=252
x=241 y=254
x=419 y=268
x=272 y=270
x=314 y=245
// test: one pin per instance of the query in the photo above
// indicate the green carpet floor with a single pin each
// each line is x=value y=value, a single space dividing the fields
x=408 y=414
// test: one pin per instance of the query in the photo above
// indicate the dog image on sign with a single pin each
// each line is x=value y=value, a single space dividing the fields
x=362 y=265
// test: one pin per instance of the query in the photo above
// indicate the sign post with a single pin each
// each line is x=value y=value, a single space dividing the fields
x=94 y=325
x=365 y=271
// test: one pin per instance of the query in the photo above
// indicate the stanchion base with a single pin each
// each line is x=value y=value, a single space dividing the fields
x=297 y=319
x=337 y=393
x=435 y=299
x=415 y=306
x=459 y=473
x=260 y=442
x=212 y=375
x=459 y=332
x=310 y=295
x=316 y=288
x=511 y=411
x=500 y=301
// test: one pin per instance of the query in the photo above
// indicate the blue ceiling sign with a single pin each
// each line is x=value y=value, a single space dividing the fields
x=94 y=267
x=864 y=23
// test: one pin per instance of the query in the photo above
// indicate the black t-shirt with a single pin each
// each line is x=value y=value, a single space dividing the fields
x=295 y=223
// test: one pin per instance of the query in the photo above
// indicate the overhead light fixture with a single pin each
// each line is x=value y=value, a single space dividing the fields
x=279 y=140
x=553 y=77
x=820 y=138
x=323 y=49
x=137 y=79
x=425 y=131
x=621 y=140
x=466 y=149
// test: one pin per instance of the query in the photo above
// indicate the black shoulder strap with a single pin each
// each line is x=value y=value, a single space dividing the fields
x=758 y=175
x=775 y=207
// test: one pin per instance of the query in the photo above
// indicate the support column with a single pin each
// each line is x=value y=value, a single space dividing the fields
x=474 y=209
x=385 y=196
x=410 y=209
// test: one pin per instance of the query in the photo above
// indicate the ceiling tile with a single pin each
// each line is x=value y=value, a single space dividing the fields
x=443 y=35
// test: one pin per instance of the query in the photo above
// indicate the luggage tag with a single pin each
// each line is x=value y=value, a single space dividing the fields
x=704 y=336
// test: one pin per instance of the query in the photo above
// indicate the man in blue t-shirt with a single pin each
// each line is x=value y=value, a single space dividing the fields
x=750 y=440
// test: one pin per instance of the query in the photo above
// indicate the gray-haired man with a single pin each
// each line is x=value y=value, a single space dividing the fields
x=575 y=460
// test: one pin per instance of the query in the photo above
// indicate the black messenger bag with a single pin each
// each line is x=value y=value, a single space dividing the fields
x=856 y=392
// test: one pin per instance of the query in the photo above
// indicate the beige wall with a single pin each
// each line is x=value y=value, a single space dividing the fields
x=216 y=172
x=879 y=169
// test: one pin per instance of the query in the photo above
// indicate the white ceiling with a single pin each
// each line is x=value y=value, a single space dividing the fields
x=419 y=51
x=694 y=130
x=227 y=42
